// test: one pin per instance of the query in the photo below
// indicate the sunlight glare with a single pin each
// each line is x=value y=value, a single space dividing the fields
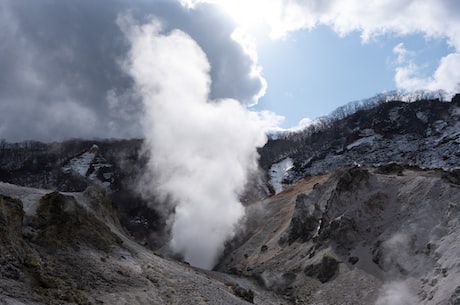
x=245 y=12
x=258 y=17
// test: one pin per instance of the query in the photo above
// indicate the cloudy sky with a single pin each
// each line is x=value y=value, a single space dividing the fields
x=62 y=73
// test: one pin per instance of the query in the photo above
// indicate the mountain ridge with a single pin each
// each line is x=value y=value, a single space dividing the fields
x=422 y=133
x=365 y=206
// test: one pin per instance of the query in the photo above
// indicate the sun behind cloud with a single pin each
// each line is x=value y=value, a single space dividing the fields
x=246 y=13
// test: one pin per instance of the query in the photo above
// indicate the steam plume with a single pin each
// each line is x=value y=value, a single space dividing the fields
x=396 y=293
x=201 y=150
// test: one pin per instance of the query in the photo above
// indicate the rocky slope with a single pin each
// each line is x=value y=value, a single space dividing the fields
x=116 y=165
x=385 y=235
x=374 y=235
x=69 y=248
x=74 y=165
x=364 y=210
x=423 y=133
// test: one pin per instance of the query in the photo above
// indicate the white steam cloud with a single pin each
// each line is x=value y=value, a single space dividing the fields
x=201 y=151
x=396 y=293
x=399 y=253
x=60 y=80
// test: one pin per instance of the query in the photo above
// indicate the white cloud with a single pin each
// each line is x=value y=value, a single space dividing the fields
x=432 y=18
x=408 y=75
x=447 y=75
x=304 y=123
x=270 y=121
x=250 y=49
x=47 y=62
x=403 y=55
x=345 y=16
x=201 y=150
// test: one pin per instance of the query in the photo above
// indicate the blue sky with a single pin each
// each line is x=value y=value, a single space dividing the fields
x=312 y=72
x=182 y=74
x=294 y=58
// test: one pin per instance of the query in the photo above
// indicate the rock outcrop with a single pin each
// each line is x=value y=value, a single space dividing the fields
x=422 y=134
x=352 y=236
x=69 y=248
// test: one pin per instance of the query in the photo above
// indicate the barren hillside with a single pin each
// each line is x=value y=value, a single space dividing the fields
x=385 y=235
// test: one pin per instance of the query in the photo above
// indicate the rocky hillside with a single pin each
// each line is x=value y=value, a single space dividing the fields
x=364 y=209
x=375 y=235
x=70 y=166
x=383 y=235
x=423 y=133
x=69 y=248
x=74 y=165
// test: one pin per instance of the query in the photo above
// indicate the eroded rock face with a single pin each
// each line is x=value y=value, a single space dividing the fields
x=42 y=254
x=358 y=233
x=352 y=179
x=422 y=133
x=12 y=250
x=453 y=176
x=11 y=215
x=455 y=297
x=323 y=271
x=305 y=221
x=70 y=249
x=76 y=165
x=61 y=222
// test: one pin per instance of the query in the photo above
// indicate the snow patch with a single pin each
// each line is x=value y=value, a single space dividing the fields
x=80 y=164
x=363 y=141
x=367 y=132
x=455 y=111
x=89 y=164
x=422 y=116
x=439 y=125
x=394 y=114
x=278 y=173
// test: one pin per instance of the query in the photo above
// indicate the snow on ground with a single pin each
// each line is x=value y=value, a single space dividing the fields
x=439 y=148
x=367 y=140
x=394 y=114
x=97 y=164
x=88 y=164
x=422 y=116
x=278 y=172
x=80 y=164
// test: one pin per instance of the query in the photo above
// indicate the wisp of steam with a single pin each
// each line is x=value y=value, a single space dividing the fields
x=201 y=151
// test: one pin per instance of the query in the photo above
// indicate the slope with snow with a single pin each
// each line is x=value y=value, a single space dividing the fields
x=385 y=235
x=89 y=164
x=278 y=173
x=424 y=134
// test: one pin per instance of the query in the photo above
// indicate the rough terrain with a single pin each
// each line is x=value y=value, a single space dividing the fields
x=385 y=235
x=364 y=209
x=67 y=248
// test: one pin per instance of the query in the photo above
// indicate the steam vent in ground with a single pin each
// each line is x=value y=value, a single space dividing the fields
x=359 y=208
